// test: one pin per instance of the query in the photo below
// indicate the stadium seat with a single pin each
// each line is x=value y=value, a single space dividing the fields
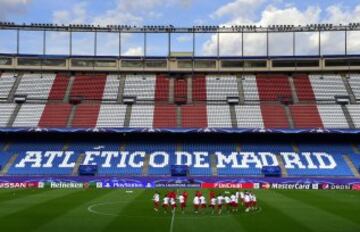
x=88 y=86
x=36 y=86
x=142 y=116
x=86 y=115
x=111 y=115
x=218 y=87
x=111 y=89
x=306 y=116
x=326 y=87
x=273 y=87
x=29 y=115
x=140 y=86
x=218 y=116
x=249 y=116
x=6 y=109
x=55 y=115
x=7 y=81
x=250 y=88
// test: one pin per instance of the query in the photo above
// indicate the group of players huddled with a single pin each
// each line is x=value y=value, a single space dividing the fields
x=230 y=202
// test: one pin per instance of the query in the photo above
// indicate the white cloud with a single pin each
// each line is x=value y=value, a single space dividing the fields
x=10 y=7
x=136 y=51
x=244 y=9
x=77 y=15
x=307 y=43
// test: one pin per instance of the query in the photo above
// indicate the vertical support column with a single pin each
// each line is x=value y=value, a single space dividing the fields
x=169 y=44
x=267 y=42
x=294 y=44
x=70 y=43
x=193 y=52
x=95 y=43
x=319 y=42
x=44 y=43
x=346 y=42
x=18 y=41
x=119 y=44
x=242 y=42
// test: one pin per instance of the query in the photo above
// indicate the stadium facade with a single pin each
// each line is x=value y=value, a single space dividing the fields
x=135 y=121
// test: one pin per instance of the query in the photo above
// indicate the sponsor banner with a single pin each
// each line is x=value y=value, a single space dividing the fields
x=177 y=185
x=11 y=185
x=112 y=184
x=66 y=185
x=228 y=185
x=290 y=186
x=356 y=187
x=335 y=186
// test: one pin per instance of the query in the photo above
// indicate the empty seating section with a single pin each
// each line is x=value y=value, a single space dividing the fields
x=142 y=116
x=354 y=111
x=89 y=86
x=199 y=88
x=111 y=116
x=6 y=110
x=273 y=87
x=306 y=116
x=165 y=116
x=303 y=87
x=194 y=116
x=326 y=87
x=29 y=115
x=249 y=117
x=180 y=91
x=36 y=86
x=218 y=88
x=129 y=158
x=274 y=116
x=228 y=170
x=354 y=81
x=7 y=81
x=250 y=88
x=111 y=89
x=54 y=169
x=148 y=148
x=275 y=148
x=55 y=115
x=332 y=116
x=355 y=158
x=210 y=149
x=162 y=88
x=86 y=115
x=4 y=158
x=219 y=116
x=140 y=86
x=209 y=108
x=59 y=87
x=335 y=150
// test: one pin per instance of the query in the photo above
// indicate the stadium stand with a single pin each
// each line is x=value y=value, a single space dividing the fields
x=55 y=115
x=36 y=86
x=142 y=87
x=59 y=86
x=111 y=87
x=250 y=88
x=218 y=88
x=86 y=115
x=303 y=87
x=29 y=115
x=6 y=110
x=88 y=86
x=249 y=117
x=326 y=87
x=218 y=116
x=111 y=116
x=263 y=105
x=7 y=81
x=142 y=116
x=273 y=87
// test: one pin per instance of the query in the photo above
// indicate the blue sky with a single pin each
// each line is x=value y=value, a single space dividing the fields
x=179 y=13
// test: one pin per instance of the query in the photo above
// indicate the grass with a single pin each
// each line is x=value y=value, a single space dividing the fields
x=117 y=210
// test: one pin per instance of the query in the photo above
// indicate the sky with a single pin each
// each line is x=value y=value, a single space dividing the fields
x=180 y=13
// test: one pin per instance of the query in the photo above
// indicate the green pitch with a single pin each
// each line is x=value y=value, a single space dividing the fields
x=117 y=210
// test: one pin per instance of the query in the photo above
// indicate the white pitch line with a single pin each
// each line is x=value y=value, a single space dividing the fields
x=172 y=221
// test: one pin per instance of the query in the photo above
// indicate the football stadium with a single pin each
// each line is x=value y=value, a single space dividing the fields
x=222 y=127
